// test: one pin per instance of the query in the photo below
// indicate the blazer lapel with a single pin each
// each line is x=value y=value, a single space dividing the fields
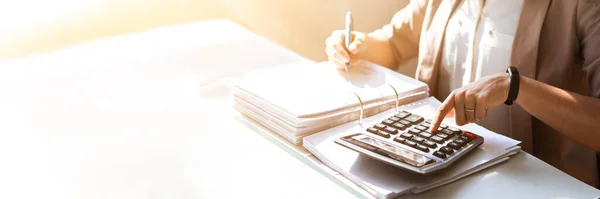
x=525 y=45
x=524 y=57
x=427 y=72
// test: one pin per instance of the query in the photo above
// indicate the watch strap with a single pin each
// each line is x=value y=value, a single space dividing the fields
x=513 y=90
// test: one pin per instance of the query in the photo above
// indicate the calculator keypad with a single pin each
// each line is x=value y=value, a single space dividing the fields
x=411 y=130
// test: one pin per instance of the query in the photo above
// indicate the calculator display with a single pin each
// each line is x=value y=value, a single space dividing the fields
x=395 y=152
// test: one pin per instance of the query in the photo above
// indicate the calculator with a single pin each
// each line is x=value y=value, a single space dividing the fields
x=404 y=140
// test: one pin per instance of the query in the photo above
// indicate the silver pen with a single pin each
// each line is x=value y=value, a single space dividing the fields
x=349 y=23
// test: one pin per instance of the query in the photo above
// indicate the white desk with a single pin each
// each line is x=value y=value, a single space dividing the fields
x=136 y=116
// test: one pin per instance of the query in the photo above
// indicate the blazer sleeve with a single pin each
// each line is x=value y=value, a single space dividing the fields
x=404 y=31
x=588 y=24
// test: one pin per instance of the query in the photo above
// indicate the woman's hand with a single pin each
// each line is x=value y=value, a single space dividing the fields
x=471 y=102
x=335 y=47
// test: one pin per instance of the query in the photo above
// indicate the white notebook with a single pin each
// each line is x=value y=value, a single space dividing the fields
x=299 y=99
x=310 y=90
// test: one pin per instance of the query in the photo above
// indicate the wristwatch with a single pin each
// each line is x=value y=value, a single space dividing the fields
x=513 y=90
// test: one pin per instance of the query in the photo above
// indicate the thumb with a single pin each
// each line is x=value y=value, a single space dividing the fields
x=355 y=46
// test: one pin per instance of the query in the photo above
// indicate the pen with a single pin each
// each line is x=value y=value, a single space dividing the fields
x=348 y=34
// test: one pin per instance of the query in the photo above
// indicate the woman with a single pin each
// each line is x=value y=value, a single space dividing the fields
x=464 y=50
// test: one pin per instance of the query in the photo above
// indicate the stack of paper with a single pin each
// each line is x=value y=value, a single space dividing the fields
x=297 y=100
x=385 y=181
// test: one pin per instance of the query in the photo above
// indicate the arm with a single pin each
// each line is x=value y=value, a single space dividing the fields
x=398 y=42
x=574 y=115
x=391 y=46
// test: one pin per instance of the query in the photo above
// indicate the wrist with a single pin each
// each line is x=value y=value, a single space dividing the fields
x=505 y=85
x=524 y=89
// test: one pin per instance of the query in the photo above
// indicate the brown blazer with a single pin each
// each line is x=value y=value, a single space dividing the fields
x=557 y=42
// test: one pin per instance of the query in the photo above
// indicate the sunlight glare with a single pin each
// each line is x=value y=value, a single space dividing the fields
x=16 y=16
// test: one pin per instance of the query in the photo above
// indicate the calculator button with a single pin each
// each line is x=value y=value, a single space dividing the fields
x=454 y=130
x=460 y=142
x=379 y=126
x=372 y=130
x=447 y=150
x=422 y=148
x=394 y=118
x=399 y=140
x=417 y=139
x=469 y=135
x=406 y=135
x=426 y=124
x=443 y=136
x=447 y=132
x=425 y=135
x=410 y=143
x=444 y=126
x=383 y=134
x=453 y=145
x=390 y=130
x=430 y=144
x=402 y=114
x=437 y=139
x=462 y=137
x=415 y=119
x=421 y=128
x=440 y=129
x=399 y=126
x=406 y=123
x=414 y=131
x=388 y=122
x=439 y=154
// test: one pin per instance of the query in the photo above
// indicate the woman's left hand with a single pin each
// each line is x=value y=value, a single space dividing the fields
x=471 y=102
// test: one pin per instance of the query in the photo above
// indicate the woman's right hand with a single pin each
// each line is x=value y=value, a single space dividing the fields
x=335 y=47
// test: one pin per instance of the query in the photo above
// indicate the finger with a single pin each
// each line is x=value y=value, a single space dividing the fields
x=459 y=106
x=334 y=58
x=480 y=108
x=442 y=111
x=333 y=39
x=336 y=38
x=470 y=107
x=341 y=52
x=353 y=48
x=340 y=60
x=338 y=64
x=333 y=55
x=338 y=34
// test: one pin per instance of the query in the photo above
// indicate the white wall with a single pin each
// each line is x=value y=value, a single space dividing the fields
x=304 y=25
x=31 y=26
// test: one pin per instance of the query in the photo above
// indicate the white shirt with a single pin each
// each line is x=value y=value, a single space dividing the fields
x=467 y=57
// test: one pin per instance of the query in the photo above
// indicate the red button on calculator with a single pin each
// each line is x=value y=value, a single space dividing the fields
x=469 y=135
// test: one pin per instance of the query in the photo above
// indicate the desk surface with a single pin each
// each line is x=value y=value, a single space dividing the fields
x=147 y=115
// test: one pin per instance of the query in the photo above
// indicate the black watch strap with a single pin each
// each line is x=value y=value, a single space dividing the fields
x=513 y=90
